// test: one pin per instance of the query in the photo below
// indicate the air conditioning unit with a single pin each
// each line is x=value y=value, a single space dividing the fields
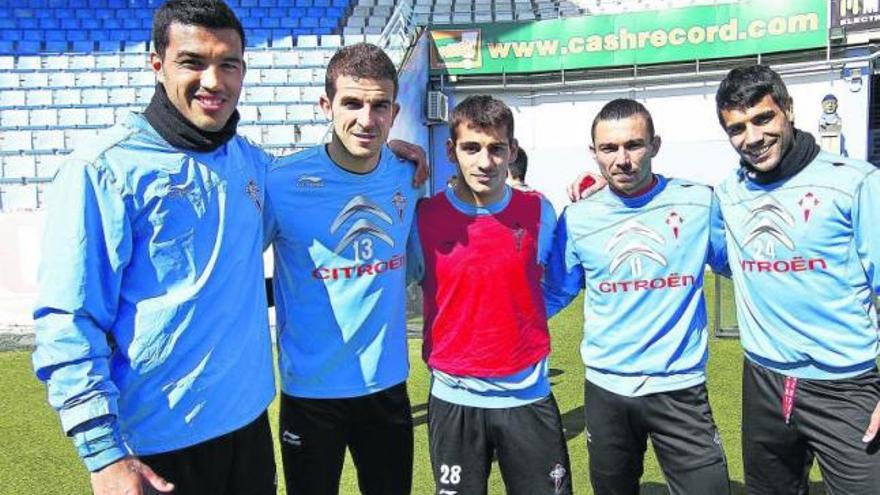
x=438 y=107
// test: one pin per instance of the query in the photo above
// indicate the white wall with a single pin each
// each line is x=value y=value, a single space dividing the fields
x=555 y=128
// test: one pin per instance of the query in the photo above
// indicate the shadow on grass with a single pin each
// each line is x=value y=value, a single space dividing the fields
x=420 y=414
x=573 y=422
x=736 y=488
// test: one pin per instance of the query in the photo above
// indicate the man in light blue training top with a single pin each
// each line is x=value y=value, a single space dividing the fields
x=152 y=332
x=639 y=249
x=804 y=248
x=339 y=217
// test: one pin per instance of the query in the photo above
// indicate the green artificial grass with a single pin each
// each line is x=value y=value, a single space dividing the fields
x=36 y=459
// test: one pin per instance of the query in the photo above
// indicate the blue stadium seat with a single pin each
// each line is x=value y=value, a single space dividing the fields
x=7 y=47
x=259 y=38
x=303 y=3
x=54 y=4
x=11 y=35
x=270 y=22
x=267 y=3
x=97 y=4
x=28 y=23
x=278 y=13
x=119 y=35
x=321 y=3
x=57 y=46
x=335 y=12
x=6 y=23
x=23 y=13
x=49 y=23
x=112 y=24
x=309 y=22
x=316 y=12
x=143 y=35
x=297 y=12
x=55 y=35
x=250 y=23
x=83 y=46
x=32 y=35
x=289 y=22
x=90 y=23
x=249 y=3
x=117 y=4
x=329 y=22
x=99 y=35
x=103 y=13
x=131 y=23
x=259 y=12
x=341 y=3
x=28 y=47
x=70 y=23
x=109 y=46
x=286 y=3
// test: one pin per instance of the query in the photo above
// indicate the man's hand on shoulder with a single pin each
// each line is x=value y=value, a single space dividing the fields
x=586 y=185
x=413 y=153
x=128 y=476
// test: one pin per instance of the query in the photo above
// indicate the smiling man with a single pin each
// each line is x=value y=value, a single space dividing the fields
x=478 y=251
x=639 y=249
x=339 y=218
x=157 y=368
x=804 y=250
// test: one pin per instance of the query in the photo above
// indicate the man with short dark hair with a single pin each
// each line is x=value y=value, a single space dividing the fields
x=804 y=251
x=479 y=249
x=639 y=249
x=339 y=216
x=152 y=333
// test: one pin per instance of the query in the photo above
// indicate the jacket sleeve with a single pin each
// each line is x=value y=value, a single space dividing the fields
x=563 y=273
x=717 y=257
x=866 y=218
x=86 y=247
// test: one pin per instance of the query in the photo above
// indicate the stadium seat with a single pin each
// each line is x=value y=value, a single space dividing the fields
x=34 y=80
x=252 y=132
x=279 y=135
x=307 y=41
x=116 y=78
x=258 y=58
x=29 y=62
x=67 y=97
x=56 y=61
x=301 y=113
x=285 y=58
x=100 y=116
x=274 y=76
x=311 y=94
x=259 y=94
x=44 y=117
x=248 y=113
x=288 y=94
x=107 y=61
x=16 y=141
x=88 y=79
x=144 y=95
x=72 y=116
x=141 y=78
x=95 y=96
x=15 y=166
x=331 y=41
x=49 y=140
x=272 y=113
x=11 y=119
x=12 y=98
x=122 y=96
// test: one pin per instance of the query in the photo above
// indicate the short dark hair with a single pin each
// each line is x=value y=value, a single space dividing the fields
x=484 y=112
x=519 y=166
x=361 y=60
x=744 y=87
x=622 y=108
x=211 y=14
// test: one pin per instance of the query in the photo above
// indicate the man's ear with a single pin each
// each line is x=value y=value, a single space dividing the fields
x=789 y=110
x=450 y=151
x=514 y=150
x=655 y=145
x=326 y=106
x=156 y=64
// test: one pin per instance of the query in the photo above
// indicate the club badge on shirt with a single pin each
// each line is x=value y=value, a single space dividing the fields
x=399 y=202
x=253 y=191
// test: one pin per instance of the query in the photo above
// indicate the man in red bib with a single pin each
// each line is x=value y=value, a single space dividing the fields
x=478 y=250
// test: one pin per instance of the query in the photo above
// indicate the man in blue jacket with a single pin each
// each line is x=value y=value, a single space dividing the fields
x=158 y=370
x=804 y=251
